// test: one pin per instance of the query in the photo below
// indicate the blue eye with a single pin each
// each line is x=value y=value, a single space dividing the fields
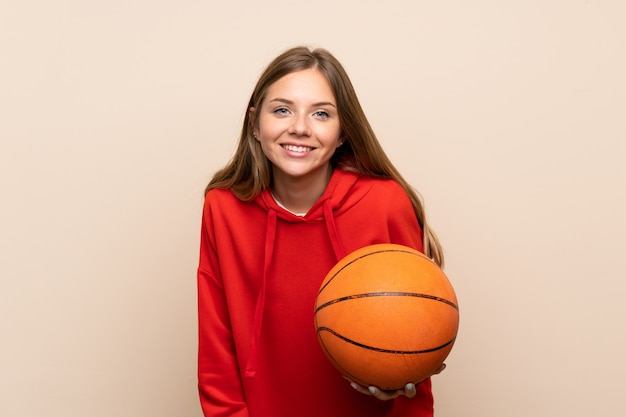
x=322 y=114
x=281 y=110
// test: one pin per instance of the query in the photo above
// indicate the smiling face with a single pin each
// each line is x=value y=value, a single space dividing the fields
x=298 y=127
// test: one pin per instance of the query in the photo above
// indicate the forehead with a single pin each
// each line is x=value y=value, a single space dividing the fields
x=305 y=85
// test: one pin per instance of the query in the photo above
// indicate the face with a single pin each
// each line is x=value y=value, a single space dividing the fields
x=298 y=126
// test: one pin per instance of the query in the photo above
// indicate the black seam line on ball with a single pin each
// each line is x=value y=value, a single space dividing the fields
x=388 y=294
x=365 y=256
x=381 y=350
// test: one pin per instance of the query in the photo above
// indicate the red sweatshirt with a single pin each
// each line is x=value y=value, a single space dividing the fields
x=260 y=270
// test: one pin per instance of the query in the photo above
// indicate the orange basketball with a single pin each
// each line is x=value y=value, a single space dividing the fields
x=386 y=315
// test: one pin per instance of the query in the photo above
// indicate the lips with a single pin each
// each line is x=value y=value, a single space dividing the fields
x=297 y=149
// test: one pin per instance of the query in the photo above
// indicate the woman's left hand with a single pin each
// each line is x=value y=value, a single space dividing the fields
x=383 y=395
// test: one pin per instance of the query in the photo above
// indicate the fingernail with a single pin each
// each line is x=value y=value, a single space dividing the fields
x=354 y=385
x=372 y=390
x=410 y=387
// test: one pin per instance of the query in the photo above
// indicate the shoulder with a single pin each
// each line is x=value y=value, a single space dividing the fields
x=221 y=200
x=359 y=183
x=378 y=196
x=223 y=203
x=218 y=195
x=388 y=196
x=383 y=189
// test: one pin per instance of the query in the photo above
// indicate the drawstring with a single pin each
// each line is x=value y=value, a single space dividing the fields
x=338 y=248
x=270 y=236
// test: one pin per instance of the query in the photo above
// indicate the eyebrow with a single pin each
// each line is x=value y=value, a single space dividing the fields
x=321 y=103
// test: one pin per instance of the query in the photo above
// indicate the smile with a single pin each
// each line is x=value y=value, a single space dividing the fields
x=299 y=149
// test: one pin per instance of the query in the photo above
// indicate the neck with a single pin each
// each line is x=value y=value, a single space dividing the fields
x=299 y=194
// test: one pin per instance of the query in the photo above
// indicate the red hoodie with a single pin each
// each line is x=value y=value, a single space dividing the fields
x=260 y=270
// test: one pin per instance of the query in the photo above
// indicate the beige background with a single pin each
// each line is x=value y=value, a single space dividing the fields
x=508 y=116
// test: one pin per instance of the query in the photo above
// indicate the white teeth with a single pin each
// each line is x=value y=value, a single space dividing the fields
x=293 y=148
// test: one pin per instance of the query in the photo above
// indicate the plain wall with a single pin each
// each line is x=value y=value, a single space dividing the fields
x=507 y=116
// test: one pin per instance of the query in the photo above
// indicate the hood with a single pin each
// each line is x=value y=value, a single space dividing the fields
x=337 y=195
x=340 y=195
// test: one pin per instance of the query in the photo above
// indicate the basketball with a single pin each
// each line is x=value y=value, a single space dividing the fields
x=386 y=315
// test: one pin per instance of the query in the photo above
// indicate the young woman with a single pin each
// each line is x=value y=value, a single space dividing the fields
x=308 y=184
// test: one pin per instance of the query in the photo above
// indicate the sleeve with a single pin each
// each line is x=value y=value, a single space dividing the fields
x=219 y=381
x=404 y=228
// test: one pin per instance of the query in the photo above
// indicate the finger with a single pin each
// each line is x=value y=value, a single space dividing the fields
x=410 y=390
x=359 y=388
x=384 y=395
x=378 y=393
x=440 y=369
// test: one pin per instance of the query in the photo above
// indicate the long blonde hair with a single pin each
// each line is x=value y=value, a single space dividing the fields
x=249 y=172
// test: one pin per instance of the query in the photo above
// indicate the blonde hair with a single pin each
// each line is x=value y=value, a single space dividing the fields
x=249 y=172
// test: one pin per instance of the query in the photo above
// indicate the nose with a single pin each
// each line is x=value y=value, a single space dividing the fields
x=300 y=126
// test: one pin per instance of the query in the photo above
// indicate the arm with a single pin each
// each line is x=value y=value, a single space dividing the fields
x=219 y=382
x=403 y=229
